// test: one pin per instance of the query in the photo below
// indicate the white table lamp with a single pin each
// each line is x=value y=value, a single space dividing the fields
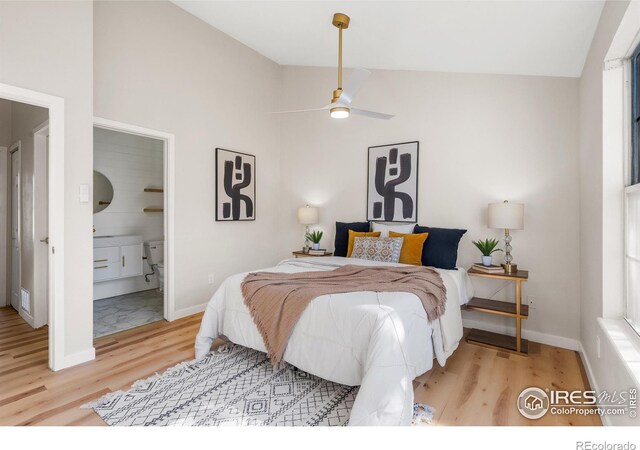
x=507 y=216
x=307 y=215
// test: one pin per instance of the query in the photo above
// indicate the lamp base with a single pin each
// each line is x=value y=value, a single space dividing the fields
x=510 y=268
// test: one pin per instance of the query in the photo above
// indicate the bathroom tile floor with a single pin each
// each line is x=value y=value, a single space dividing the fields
x=114 y=314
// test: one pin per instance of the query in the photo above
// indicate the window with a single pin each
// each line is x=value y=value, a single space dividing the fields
x=634 y=166
x=632 y=203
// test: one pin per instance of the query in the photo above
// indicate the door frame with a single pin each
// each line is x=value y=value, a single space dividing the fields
x=57 y=358
x=40 y=302
x=4 y=221
x=169 y=183
x=15 y=148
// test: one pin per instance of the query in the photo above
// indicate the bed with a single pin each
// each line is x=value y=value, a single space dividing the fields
x=380 y=341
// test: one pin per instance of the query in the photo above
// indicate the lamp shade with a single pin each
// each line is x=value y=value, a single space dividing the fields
x=508 y=216
x=307 y=215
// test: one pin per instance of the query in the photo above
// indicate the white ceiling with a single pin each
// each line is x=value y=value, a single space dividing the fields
x=508 y=37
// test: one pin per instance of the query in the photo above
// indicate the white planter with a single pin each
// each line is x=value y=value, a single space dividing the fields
x=316 y=246
x=486 y=260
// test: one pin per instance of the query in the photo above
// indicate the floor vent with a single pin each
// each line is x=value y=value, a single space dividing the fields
x=24 y=300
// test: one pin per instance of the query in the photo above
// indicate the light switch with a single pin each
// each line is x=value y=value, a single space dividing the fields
x=84 y=193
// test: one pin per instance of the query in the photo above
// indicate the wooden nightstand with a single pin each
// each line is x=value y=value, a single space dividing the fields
x=301 y=254
x=516 y=310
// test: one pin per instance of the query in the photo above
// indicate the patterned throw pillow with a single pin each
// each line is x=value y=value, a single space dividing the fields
x=377 y=249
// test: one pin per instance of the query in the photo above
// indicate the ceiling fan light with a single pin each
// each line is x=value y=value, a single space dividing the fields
x=339 y=112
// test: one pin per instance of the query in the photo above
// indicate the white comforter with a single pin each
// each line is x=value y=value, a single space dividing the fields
x=380 y=341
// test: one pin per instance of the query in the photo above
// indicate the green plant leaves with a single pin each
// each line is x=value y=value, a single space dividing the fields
x=488 y=246
x=314 y=236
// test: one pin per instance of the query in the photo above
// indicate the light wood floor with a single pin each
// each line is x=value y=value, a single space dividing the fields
x=478 y=386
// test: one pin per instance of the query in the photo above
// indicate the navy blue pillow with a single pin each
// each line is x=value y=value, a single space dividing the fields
x=441 y=247
x=342 y=235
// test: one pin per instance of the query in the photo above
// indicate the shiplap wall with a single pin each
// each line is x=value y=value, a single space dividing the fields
x=132 y=163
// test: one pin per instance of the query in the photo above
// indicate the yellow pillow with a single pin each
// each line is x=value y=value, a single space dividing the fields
x=355 y=234
x=411 y=252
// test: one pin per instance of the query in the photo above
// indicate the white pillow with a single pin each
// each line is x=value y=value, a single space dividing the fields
x=383 y=228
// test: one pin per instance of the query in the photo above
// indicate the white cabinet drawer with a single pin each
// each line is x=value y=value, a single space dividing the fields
x=106 y=270
x=106 y=254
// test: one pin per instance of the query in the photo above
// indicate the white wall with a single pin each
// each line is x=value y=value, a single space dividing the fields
x=132 y=163
x=158 y=67
x=48 y=47
x=483 y=138
x=5 y=123
x=601 y=194
x=24 y=118
x=591 y=180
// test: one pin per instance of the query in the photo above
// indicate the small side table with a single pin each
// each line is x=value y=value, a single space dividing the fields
x=516 y=310
x=301 y=254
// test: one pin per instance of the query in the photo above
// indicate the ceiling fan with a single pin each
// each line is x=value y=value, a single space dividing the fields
x=340 y=106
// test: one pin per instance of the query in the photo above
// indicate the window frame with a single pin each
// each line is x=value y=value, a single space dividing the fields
x=629 y=190
x=633 y=159
x=632 y=178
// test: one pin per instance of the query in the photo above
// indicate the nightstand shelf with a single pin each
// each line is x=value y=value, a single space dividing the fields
x=493 y=340
x=496 y=307
x=301 y=254
x=515 y=310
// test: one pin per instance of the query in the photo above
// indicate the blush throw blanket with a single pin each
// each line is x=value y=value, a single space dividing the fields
x=277 y=300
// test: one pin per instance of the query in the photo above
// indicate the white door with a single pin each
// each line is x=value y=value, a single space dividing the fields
x=131 y=260
x=40 y=294
x=15 y=230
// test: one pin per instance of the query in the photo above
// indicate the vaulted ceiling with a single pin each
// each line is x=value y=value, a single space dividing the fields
x=507 y=37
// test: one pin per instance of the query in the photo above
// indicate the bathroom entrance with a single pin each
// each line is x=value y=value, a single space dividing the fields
x=129 y=222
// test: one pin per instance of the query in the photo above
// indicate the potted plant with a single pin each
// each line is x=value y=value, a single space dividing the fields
x=487 y=248
x=315 y=237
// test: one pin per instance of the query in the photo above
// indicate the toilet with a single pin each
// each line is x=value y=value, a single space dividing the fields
x=154 y=251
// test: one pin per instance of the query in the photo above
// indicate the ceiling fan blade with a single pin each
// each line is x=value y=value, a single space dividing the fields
x=351 y=87
x=372 y=114
x=324 y=108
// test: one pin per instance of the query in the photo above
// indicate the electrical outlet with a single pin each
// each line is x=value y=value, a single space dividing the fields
x=531 y=300
x=598 y=346
x=212 y=278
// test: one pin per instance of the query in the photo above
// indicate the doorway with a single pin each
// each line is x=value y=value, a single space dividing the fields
x=133 y=280
x=24 y=174
x=31 y=236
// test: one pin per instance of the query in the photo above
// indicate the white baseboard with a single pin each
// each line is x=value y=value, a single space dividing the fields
x=592 y=381
x=179 y=314
x=78 y=358
x=535 y=336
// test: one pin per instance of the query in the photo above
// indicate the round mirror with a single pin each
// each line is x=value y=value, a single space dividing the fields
x=102 y=192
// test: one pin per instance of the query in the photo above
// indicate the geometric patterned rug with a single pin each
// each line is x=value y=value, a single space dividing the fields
x=233 y=386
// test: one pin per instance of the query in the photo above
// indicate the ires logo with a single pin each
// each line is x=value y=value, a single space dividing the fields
x=573 y=397
x=534 y=403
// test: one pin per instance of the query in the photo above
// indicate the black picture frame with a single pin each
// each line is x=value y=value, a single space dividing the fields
x=377 y=211
x=242 y=208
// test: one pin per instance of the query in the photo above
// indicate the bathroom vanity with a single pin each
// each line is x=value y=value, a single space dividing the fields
x=116 y=257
